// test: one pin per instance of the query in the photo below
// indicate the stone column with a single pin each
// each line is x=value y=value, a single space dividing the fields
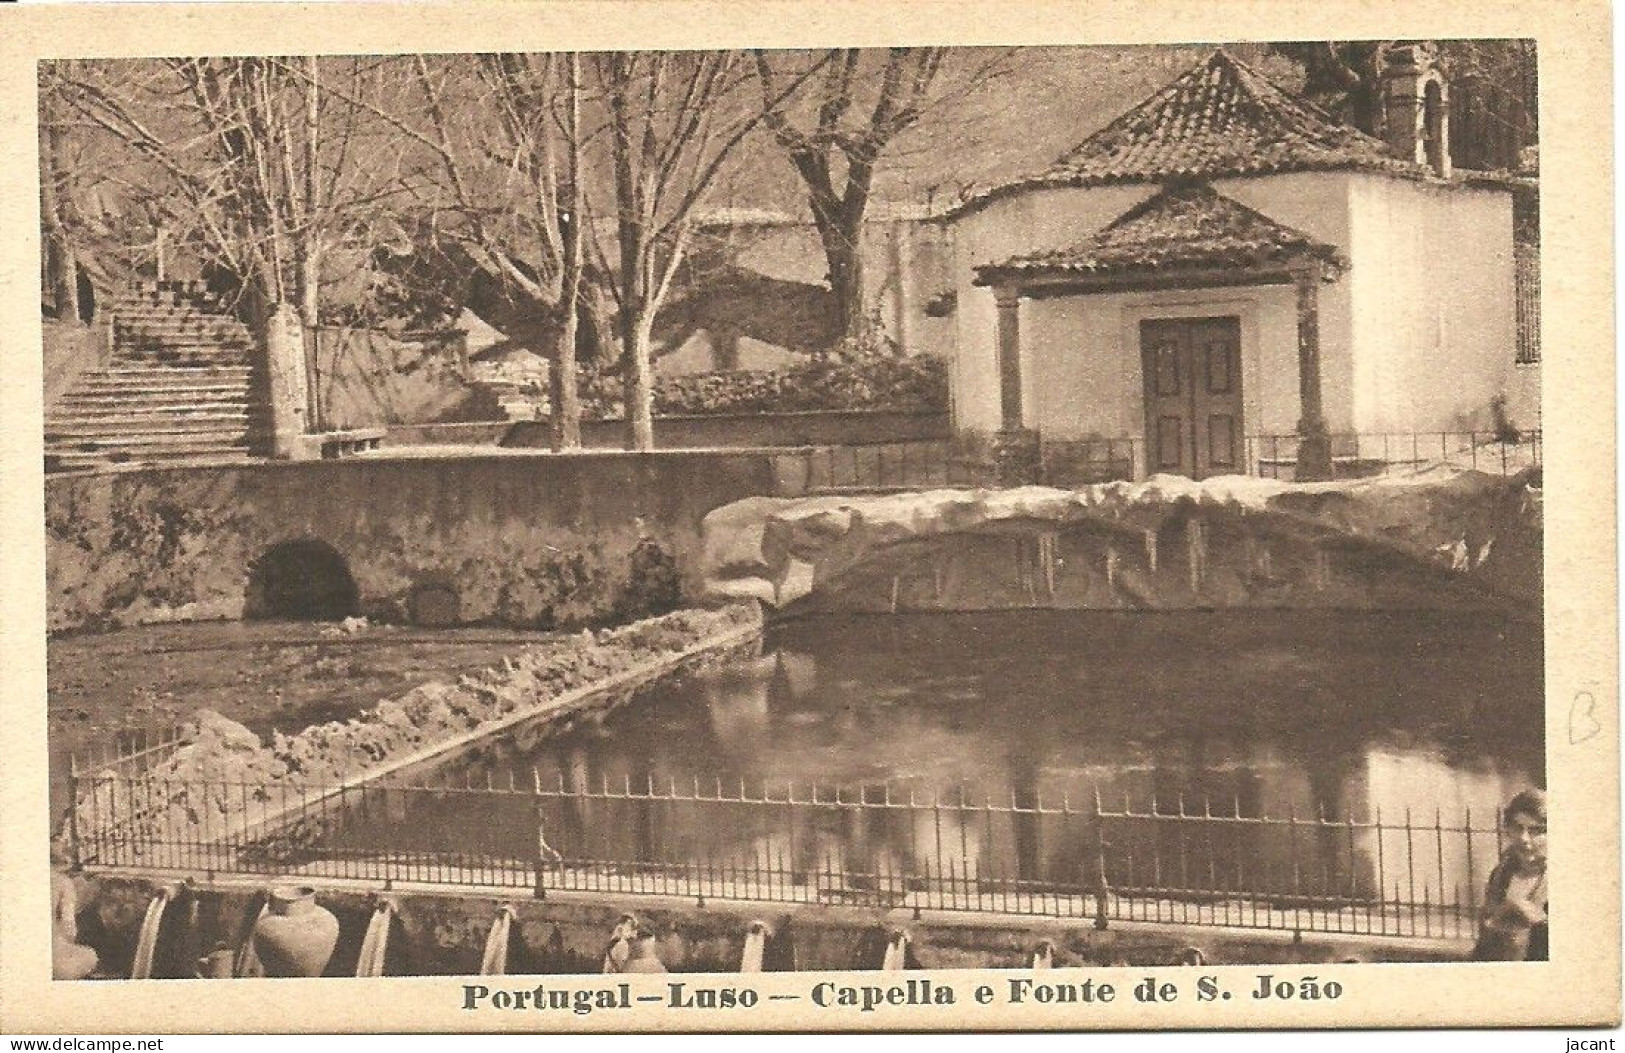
x=1315 y=445
x=283 y=345
x=1009 y=358
x=1016 y=452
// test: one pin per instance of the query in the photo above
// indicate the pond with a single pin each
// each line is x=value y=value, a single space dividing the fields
x=1013 y=733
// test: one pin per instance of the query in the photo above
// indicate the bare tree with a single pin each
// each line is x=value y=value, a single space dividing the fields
x=836 y=129
x=61 y=253
x=673 y=119
x=501 y=142
x=229 y=157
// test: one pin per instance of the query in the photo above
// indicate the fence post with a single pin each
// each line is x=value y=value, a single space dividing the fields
x=1100 y=865
x=540 y=890
x=73 y=811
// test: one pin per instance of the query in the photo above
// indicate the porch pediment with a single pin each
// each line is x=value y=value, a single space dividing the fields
x=1186 y=235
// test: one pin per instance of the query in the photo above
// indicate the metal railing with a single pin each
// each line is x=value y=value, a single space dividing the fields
x=880 y=845
x=1362 y=454
x=912 y=465
x=927 y=464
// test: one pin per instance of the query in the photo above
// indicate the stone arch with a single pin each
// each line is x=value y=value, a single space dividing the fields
x=301 y=580
x=434 y=602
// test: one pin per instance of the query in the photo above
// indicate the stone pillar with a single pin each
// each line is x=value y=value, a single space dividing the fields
x=1315 y=445
x=1016 y=457
x=287 y=397
x=1016 y=452
x=1010 y=418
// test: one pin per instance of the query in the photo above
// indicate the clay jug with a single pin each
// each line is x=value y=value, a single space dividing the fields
x=70 y=960
x=296 y=935
x=643 y=958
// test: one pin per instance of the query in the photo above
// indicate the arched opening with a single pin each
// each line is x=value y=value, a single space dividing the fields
x=434 y=604
x=301 y=581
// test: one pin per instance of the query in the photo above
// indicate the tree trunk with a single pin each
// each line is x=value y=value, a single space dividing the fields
x=639 y=383
x=840 y=230
x=565 y=427
x=61 y=262
x=598 y=309
x=310 y=251
x=566 y=401
x=847 y=285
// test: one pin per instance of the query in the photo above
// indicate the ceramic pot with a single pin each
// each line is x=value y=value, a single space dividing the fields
x=296 y=935
x=71 y=961
x=643 y=958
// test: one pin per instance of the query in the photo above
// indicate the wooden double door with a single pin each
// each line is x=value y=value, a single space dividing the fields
x=1192 y=370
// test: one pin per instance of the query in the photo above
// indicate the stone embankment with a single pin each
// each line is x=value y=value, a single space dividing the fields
x=197 y=790
x=1441 y=539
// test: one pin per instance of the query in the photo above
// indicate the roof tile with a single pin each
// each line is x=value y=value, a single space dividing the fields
x=1221 y=117
x=1185 y=226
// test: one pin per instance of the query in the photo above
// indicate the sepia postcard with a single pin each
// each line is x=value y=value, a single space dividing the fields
x=765 y=516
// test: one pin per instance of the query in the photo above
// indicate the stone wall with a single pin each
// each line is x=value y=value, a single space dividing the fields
x=1441 y=540
x=444 y=934
x=367 y=377
x=69 y=351
x=529 y=540
x=823 y=428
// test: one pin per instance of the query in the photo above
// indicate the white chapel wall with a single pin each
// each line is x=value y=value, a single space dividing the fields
x=1032 y=221
x=1085 y=379
x=1316 y=203
x=1434 y=308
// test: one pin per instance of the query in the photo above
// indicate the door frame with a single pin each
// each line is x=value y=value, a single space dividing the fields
x=1193 y=395
x=1243 y=303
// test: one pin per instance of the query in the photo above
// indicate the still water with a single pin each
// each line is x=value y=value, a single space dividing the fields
x=1416 y=718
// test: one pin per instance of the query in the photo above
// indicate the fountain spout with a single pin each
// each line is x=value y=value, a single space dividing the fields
x=494 y=962
x=756 y=937
x=146 y=943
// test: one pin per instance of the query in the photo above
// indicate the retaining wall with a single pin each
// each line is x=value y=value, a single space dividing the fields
x=532 y=540
x=443 y=934
x=695 y=432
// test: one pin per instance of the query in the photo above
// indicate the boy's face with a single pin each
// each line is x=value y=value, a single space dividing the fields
x=1526 y=837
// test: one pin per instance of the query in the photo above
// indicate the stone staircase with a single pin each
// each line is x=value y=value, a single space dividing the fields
x=177 y=388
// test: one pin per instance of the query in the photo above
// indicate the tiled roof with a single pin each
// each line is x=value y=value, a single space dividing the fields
x=1222 y=117
x=1184 y=227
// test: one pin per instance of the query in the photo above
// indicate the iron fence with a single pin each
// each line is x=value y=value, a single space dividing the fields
x=912 y=465
x=927 y=464
x=884 y=845
x=1362 y=454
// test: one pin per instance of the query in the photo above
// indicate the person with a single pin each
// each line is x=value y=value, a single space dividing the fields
x=1514 y=926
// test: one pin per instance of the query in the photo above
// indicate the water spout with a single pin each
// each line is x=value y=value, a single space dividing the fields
x=146 y=944
x=376 y=942
x=247 y=961
x=494 y=962
x=621 y=939
x=756 y=938
x=1044 y=955
x=896 y=958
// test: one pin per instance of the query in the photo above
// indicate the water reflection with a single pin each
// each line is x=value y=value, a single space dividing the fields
x=954 y=751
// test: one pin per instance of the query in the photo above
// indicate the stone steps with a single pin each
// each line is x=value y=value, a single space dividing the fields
x=78 y=426
x=205 y=436
x=130 y=393
x=135 y=371
x=178 y=388
x=187 y=358
x=68 y=460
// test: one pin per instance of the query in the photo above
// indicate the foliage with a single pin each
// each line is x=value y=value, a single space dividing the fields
x=872 y=381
